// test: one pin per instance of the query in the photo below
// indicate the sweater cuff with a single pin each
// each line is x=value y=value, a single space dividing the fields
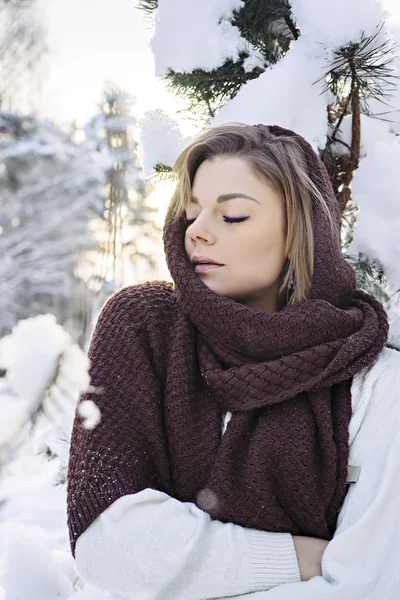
x=272 y=559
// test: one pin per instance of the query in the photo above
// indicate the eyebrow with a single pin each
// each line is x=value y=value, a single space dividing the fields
x=226 y=197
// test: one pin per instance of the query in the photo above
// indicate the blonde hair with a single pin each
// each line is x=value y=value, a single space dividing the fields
x=280 y=161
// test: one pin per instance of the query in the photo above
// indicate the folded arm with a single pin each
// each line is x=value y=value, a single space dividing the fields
x=153 y=544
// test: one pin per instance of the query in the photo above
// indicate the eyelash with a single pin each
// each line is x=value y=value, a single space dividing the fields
x=228 y=220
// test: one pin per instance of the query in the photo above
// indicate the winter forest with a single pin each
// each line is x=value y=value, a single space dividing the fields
x=82 y=204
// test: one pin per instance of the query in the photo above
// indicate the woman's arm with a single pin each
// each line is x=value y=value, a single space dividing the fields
x=126 y=451
x=149 y=543
x=362 y=562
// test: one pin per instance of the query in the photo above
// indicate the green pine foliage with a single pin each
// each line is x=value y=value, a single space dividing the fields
x=267 y=26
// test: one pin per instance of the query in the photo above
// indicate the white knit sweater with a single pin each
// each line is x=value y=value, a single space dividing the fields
x=149 y=546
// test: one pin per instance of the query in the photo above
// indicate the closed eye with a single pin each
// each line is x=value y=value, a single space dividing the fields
x=229 y=220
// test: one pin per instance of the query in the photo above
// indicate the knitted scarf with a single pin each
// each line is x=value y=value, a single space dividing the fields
x=286 y=377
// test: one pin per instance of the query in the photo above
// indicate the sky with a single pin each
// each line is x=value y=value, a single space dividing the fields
x=93 y=41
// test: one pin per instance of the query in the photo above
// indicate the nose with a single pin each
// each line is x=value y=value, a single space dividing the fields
x=198 y=231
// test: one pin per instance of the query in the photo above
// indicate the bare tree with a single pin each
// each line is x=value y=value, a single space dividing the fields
x=47 y=184
x=22 y=52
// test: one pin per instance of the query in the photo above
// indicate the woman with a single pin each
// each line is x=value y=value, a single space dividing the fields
x=248 y=442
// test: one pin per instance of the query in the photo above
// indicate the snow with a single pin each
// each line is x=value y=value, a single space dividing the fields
x=290 y=93
x=375 y=191
x=160 y=140
x=393 y=22
x=203 y=29
x=287 y=94
x=42 y=365
x=255 y=59
x=371 y=130
x=35 y=558
x=284 y=95
x=33 y=534
x=324 y=22
x=90 y=412
x=31 y=354
x=394 y=328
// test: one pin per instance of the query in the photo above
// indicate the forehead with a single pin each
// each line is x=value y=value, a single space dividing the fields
x=223 y=174
x=223 y=178
x=225 y=197
x=216 y=171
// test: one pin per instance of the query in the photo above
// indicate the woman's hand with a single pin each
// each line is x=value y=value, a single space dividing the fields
x=309 y=552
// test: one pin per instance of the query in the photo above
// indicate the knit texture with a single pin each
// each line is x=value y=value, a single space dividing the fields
x=168 y=362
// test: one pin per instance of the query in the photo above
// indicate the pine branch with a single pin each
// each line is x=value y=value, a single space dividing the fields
x=267 y=27
x=211 y=89
x=368 y=66
x=148 y=6
x=370 y=277
x=162 y=173
x=360 y=70
x=350 y=162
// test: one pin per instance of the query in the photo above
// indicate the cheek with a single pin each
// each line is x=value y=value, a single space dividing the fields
x=266 y=250
x=266 y=240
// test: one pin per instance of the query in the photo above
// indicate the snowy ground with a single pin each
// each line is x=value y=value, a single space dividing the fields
x=45 y=372
x=33 y=532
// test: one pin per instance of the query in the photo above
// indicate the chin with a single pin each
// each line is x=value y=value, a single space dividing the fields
x=213 y=286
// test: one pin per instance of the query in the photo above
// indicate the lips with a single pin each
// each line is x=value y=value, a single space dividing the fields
x=204 y=268
x=204 y=260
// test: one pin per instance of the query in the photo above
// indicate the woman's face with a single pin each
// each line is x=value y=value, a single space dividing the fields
x=251 y=251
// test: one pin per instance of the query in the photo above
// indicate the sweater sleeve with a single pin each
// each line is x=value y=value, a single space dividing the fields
x=362 y=561
x=153 y=545
x=126 y=451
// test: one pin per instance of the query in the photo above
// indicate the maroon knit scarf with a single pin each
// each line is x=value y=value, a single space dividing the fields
x=286 y=377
